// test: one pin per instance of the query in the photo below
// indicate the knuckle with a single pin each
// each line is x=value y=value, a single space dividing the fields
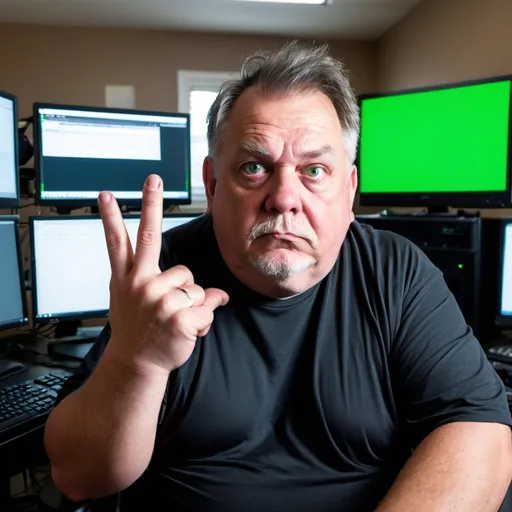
x=163 y=307
x=179 y=323
x=130 y=287
x=184 y=270
x=166 y=307
x=151 y=200
x=114 y=240
x=147 y=237
x=198 y=292
x=146 y=292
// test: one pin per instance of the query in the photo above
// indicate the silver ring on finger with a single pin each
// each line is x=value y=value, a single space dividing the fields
x=189 y=297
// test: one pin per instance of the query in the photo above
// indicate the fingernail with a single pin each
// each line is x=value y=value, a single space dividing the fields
x=104 y=198
x=153 y=182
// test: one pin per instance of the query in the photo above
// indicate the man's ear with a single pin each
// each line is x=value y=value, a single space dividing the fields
x=210 y=182
x=353 y=184
x=353 y=189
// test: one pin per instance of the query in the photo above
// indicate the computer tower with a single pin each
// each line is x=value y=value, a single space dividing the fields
x=465 y=249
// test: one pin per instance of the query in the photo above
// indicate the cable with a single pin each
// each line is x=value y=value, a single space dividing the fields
x=35 y=483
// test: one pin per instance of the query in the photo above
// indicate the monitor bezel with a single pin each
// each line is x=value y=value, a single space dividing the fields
x=25 y=320
x=81 y=203
x=502 y=321
x=13 y=202
x=490 y=199
x=74 y=316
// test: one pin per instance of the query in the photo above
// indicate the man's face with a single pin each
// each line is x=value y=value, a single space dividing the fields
x=281 y=191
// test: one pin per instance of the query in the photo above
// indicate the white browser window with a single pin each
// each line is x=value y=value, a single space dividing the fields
x=72 y=269
x=99 y=141
x=506 y=285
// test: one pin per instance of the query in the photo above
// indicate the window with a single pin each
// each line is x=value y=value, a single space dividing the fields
x=196 y=92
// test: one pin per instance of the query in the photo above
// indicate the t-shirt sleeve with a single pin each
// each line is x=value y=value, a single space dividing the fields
x=442 y=372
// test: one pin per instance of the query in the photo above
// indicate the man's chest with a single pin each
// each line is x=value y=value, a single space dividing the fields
x=320 y=386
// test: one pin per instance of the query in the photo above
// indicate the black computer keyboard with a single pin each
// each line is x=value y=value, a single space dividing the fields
x=29 y=399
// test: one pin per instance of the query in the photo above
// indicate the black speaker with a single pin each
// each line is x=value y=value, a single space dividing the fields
x=465 y=249
x=25 y=147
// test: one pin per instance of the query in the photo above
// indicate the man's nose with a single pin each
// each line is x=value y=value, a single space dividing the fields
x=284 y=192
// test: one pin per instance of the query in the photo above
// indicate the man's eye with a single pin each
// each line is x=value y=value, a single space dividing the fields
x=314 y=171
x=253 y=168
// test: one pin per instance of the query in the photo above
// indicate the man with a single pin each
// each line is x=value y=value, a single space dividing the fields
x=274 y=355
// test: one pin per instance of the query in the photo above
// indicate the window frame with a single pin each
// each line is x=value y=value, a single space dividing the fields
x=195 y=79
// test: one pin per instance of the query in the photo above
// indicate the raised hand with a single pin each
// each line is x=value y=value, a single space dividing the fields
x=155 y=316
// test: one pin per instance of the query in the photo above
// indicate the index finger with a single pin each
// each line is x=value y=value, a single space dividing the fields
x=149 y=236
x=119 y=248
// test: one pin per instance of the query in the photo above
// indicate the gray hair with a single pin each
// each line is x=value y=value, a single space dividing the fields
x=294 y=68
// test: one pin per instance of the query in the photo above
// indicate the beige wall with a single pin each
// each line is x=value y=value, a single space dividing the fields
x=73 y=65
x=447 y=41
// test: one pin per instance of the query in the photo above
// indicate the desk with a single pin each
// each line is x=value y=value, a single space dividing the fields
x=21 y=447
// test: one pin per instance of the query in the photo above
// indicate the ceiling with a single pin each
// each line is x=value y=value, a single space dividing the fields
x=343 y=19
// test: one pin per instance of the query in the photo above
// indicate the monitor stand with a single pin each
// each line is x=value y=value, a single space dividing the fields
x=66 y=329
x=445 y=211
x=64 y=210
x=438 y=210
x=124 y=210
x=72 y=341
x=77 y=335
x=432 y=211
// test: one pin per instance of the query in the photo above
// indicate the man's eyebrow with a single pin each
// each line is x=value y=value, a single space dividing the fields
x=311 y=155
x=254 y=150
x=261 y=152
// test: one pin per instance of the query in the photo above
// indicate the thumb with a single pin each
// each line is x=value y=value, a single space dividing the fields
x=214 y=297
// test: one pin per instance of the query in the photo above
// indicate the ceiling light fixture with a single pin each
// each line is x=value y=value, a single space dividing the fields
x=308 y=2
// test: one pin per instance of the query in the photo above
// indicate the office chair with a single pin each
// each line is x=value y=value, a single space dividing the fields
x=50 y=499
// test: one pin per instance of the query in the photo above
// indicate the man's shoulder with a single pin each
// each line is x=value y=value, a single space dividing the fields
x=386 y=271
x=388 y=254
x=367 y=238
x=183 y=244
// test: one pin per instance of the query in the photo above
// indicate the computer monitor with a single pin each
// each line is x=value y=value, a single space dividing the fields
x=504 y=313
x=13 y=304
x=70 y=265
x=437 y=147
x=9 y=181
x=80 y=151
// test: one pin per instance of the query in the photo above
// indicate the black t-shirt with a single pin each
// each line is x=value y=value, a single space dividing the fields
x=313 y=402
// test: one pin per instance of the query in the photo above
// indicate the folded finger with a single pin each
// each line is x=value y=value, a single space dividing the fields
x=214 y=298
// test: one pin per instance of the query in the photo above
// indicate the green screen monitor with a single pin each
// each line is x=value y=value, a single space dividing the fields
x=437 y=147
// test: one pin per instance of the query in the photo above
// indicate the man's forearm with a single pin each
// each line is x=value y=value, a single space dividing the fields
x=460 y=467
x=100 y=438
